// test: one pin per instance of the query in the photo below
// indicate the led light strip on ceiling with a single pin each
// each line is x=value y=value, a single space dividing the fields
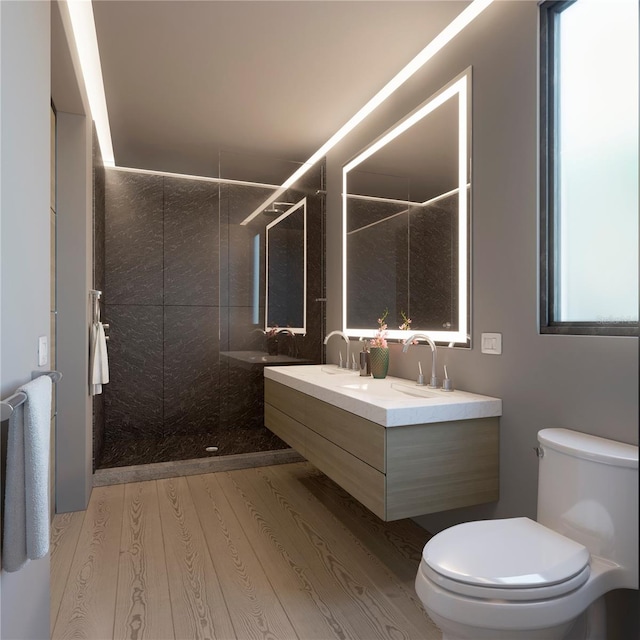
x=443 y=38
x=84 y=31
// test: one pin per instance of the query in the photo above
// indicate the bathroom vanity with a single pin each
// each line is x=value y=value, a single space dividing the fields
x=402 y=450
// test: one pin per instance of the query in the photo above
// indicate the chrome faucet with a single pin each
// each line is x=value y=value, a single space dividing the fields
x=344 y=364
x=421 y=336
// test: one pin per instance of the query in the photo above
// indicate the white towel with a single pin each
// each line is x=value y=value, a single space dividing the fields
x=99 y=365
x=26 y=507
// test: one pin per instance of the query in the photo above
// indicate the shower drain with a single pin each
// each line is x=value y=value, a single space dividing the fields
x=211 y=449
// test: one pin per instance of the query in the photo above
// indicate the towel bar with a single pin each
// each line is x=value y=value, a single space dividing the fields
x=7 y=406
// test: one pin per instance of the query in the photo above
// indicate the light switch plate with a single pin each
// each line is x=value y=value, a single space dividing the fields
x=43 y=351
x=491 y=343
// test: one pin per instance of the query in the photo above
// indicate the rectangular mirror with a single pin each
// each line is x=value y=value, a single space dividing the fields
x=406 y=203
x=286 y=270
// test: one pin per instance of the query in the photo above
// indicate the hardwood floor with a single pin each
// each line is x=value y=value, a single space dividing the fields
x=270 y=553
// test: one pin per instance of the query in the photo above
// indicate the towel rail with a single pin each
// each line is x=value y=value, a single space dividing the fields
x=8 y=405
x=95 y=305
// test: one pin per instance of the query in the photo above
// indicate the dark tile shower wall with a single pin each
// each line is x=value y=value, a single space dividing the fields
x=179 y=291
x=412 y=259
x=161 y=291
x=433 y=264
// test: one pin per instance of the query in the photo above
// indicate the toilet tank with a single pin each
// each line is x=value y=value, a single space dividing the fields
x=588 y=491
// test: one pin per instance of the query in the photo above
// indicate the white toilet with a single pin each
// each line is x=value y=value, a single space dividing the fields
x=516 y=579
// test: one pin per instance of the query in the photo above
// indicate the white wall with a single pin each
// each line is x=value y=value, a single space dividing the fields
x=24 y=261
x=74 y=437
x=580 y=382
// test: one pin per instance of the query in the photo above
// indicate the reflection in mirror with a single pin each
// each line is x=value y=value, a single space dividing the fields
x=405 y=223
x=286 y=273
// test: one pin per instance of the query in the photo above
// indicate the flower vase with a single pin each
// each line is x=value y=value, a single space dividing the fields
x=379 y=358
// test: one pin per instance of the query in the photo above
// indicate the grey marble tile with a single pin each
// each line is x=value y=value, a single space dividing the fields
x=191 y=242
x=237 y=251
x=99 y=229
x=191 y=373
x=377 y=274
x=433 y=268
x=133 y=238
x=310 y=345
x=241 y=259
x=133 y=397
x=242 y=400
x=241 y=332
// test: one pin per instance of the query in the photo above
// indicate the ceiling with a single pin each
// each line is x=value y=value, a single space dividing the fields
x=185 y=80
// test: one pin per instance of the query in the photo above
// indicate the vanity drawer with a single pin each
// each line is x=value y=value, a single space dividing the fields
x=285 y=427
x=362 y=438
x=443 y=465
x=287 y=400
x=362 y=481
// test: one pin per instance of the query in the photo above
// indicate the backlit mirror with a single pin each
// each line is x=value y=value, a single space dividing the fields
x=286 y=272
x=406 y=201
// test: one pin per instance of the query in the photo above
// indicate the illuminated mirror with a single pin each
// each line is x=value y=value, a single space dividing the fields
x=286 y=272
x=406 y=201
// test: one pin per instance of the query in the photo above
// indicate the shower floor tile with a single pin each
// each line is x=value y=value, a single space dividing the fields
x=124 y=452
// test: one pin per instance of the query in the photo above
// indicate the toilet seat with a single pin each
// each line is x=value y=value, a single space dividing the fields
x=514 y=559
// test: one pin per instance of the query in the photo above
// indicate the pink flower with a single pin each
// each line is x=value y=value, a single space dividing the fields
x=380 y=339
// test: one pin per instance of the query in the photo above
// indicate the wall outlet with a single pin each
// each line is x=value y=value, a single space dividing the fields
x=491 y=343
x=43 y=351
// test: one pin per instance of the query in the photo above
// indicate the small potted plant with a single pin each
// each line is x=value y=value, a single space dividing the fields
x=379 y=350
x=406 y=322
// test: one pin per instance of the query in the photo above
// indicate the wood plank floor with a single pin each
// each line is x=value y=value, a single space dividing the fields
x=270 y=553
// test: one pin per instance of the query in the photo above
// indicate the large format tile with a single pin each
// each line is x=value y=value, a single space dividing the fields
x=133 y=397
x=433 y=268
x=191 y=242
x=191 y=348
x=377 y=275
x=241 y=400
x=237 y=253
x=133 y=238
x=310 y=345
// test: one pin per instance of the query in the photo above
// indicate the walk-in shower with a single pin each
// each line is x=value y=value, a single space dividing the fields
x=185 y=289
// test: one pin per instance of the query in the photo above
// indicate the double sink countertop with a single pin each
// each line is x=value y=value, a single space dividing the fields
x=390 y=402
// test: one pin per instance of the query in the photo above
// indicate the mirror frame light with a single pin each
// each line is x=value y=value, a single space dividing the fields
x=459 y=86
x=303 y=329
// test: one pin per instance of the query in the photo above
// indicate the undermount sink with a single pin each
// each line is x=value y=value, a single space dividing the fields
x=383 y=388
x=334 y=370
x=416 y=390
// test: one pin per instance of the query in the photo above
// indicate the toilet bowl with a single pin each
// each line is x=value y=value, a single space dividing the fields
x=517 y=579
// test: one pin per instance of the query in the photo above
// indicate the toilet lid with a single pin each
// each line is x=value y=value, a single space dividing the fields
x=511 y=553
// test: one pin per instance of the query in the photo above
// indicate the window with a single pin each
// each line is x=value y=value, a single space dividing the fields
x=589 y=167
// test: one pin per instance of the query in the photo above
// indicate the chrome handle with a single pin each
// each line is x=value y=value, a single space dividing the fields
x=105 y=326
x=539 y=451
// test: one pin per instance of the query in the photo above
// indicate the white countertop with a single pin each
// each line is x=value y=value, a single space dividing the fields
x=390 y=402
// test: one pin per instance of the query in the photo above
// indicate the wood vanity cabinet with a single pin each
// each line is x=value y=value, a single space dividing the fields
x=396 y=472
